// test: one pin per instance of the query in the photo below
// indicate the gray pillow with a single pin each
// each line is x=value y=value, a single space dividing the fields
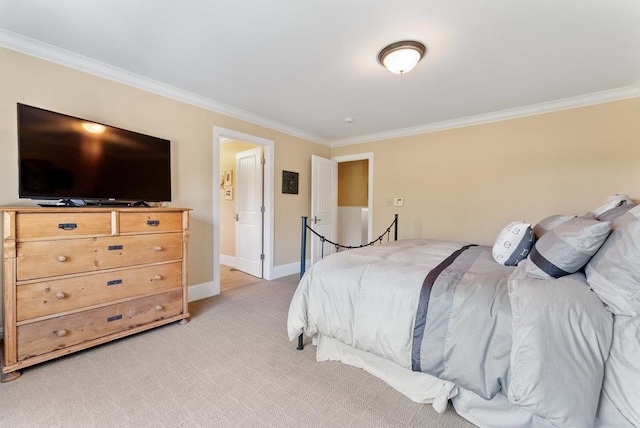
x=614 y=272
x=548 y=223
x=614 y=213
x=566 y=248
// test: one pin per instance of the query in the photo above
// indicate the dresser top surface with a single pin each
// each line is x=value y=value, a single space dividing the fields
x=32 y=209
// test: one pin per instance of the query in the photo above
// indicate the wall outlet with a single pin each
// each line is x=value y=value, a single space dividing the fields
x=398 y=202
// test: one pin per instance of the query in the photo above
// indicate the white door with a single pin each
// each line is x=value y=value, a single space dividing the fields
x=324 y=205
x=249 y=211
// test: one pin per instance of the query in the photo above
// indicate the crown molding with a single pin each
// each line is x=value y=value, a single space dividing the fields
x=531 y=110
x=66 y=58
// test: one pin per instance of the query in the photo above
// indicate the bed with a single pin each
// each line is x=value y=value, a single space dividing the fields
x=550 y=339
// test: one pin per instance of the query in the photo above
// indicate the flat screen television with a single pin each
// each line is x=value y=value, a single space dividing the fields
x=72 y=159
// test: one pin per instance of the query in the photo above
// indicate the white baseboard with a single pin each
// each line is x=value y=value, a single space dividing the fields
x=288 y=269
x=201 y=291
x=228 y=260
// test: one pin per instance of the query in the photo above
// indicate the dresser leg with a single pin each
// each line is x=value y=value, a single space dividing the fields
x=183 y=321
x=8 y=377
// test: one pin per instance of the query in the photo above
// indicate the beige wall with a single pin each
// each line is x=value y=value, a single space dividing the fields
x=468 y=183
x=36 y=82
x=228 y=152
x=464 y=183
x=353 y=183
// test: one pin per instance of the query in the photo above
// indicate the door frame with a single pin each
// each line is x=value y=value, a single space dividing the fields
x=363 y=156
x=269 y=157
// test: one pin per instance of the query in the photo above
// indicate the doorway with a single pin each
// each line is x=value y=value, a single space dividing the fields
x=324 y=202
x=365 y=203
x=353 y=202
x=220 y=135
x=241 y=202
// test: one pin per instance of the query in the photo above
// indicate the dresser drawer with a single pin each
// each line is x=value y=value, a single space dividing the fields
x=150 y=222
x=56 y=296
x=41 y=259
x=61 y=225
x=46 y=336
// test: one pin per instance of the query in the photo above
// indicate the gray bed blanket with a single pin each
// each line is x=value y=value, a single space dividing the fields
x=463 y=330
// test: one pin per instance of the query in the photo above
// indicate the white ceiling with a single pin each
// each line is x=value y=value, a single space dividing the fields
x=303 y=66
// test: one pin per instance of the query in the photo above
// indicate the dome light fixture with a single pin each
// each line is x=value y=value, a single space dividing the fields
x=401 y=57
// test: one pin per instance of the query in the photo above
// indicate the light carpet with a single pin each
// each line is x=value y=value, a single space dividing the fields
x=230 y=366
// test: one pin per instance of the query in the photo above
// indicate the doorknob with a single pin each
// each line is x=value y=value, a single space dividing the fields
x=236 y=217
x=316 y=220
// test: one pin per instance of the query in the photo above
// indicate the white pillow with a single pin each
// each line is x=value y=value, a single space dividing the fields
x=614 y=272
x=513 y=243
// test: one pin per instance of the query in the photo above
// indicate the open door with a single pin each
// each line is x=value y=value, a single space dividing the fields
x=324 y=205
x=249 y=212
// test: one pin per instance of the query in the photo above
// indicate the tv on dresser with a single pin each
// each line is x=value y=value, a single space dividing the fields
x=82 y=162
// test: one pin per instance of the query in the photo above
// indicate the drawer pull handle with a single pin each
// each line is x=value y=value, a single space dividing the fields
x=62 y=259
x=157 y=277
x=61 y=333
x=67 y=226
x=114 y=282
x=60 y=295
x=114 y=318
x=153 y=222
x=158 y=248
x=115 y=247
x=159 y=308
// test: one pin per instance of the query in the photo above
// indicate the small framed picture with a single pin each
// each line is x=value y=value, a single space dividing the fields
x=228 y=177
x=228 y=193
x=290 y=182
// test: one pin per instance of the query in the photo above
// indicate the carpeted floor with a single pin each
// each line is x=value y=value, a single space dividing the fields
x=230 y=366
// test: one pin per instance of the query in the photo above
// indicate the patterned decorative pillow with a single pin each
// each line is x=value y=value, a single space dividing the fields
x=513 y=243
x=614 y=272
x=548 y=223
x=567 y=248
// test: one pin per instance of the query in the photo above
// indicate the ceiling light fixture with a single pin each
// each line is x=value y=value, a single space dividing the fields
x=401 y=57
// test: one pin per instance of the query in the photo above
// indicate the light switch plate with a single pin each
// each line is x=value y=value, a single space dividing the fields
x=398 y=202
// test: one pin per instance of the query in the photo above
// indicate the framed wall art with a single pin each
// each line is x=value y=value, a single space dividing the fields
x=228 y=177
x=290 y=182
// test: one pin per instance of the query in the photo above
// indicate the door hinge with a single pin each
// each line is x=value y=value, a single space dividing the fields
x=262 y=209
x=262 y=161
x=261 y=256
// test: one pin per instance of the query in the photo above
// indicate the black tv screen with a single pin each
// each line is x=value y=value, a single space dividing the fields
x=67 y=157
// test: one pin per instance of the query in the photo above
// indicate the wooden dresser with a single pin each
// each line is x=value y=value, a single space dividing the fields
x=79 y=277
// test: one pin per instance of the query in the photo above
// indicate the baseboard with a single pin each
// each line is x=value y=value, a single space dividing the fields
x=288 y=269
x=201 y=291
x=228 y=260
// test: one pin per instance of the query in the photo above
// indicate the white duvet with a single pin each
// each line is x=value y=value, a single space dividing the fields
x=553 y=363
